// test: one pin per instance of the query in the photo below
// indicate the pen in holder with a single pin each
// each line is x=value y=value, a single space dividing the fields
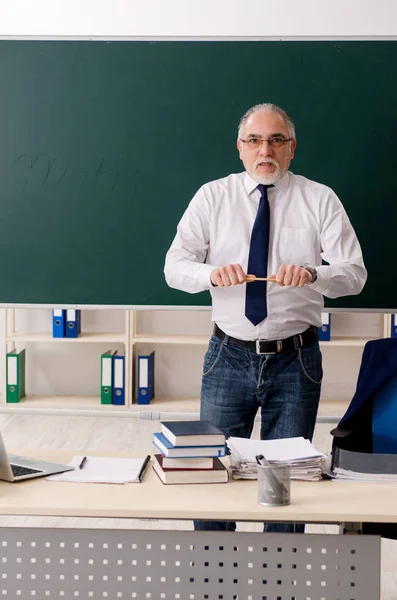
x=273 y=482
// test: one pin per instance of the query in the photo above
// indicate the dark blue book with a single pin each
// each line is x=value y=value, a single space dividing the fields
x=167 y=449
x=218 y=473
x=192 y=433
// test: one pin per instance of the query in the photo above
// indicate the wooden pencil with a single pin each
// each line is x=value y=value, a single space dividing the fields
x=250 y=279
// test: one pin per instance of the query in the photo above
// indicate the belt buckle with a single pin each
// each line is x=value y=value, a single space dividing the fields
x=258 y=347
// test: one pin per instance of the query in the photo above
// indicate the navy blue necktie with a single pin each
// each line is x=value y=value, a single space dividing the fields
x=255 y=297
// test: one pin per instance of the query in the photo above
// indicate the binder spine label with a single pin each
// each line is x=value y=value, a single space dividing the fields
x=107 y=371
x=118 y=373
x=143 y=372
x=12 y=373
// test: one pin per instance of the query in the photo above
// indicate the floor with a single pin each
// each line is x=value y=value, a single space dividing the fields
x=132 y=434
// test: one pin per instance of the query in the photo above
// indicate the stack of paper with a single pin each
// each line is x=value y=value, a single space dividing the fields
x=306 y=462
x=344 y=475
x=362 y=466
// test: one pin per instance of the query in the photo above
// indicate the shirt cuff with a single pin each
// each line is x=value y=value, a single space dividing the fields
x=323 y=279
x=204 y=275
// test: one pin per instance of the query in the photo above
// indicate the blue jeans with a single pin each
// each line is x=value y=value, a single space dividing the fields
x=285 y=386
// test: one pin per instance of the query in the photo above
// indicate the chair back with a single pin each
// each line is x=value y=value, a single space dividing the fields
x=384 y=417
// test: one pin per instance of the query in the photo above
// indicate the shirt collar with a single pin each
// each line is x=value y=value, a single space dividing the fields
x=282 y=184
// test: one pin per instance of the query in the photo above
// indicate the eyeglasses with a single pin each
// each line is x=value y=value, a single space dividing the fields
x=274 y=142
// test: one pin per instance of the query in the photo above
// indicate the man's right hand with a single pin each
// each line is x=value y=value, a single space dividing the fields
x=228 y=275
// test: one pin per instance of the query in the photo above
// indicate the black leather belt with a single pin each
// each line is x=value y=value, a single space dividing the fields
x=275 y=346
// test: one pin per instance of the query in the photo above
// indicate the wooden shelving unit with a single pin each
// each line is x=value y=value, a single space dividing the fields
x=132 y=337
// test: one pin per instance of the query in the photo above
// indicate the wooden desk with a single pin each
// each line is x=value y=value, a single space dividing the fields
x=350 y=563
x=314 y=502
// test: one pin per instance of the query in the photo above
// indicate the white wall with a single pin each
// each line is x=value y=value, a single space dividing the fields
x=187 y=18
x=58 y=371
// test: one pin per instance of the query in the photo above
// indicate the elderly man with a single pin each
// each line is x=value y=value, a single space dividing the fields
x=265 y=223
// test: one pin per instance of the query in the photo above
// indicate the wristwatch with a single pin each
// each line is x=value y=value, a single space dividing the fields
x=312 y=270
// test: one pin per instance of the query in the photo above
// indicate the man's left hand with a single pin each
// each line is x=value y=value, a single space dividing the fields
x=293 y=276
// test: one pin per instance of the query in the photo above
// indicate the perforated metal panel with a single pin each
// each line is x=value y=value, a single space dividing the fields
x=90 y=563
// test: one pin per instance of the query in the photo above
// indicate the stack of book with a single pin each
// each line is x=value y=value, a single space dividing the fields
x=190 y=452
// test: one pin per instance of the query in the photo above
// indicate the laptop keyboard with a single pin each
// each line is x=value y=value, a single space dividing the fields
x=18 y=470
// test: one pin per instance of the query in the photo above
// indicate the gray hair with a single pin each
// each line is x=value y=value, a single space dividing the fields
x=268 y=108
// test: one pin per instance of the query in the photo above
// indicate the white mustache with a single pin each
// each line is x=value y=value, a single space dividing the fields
x=269 y=161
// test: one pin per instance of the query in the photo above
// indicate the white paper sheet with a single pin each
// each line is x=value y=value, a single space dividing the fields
x=102 y=470
x=287 y=449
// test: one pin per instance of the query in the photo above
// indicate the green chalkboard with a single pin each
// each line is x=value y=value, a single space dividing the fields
x=103 y=144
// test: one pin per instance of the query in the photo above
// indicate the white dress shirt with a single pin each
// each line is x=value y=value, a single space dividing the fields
x=307 y=224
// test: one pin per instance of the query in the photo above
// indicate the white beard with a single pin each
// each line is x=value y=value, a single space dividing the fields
x=267 y=179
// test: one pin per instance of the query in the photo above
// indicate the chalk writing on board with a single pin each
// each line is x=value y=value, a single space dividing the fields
x=40 y=170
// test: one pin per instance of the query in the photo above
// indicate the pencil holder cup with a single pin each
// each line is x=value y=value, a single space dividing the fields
x=274 y=484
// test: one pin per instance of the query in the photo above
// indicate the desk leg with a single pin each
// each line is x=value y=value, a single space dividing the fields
x=347 y=528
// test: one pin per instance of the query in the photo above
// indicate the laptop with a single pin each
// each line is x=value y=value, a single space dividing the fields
x=17 y=468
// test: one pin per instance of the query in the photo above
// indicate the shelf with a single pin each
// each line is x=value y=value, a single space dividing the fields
x=90 y=337
x=203 y=340
x=92 y=404
x=329 y=411
x=346 y=341
x=152 y=338
x=63 y=405
x=327 y=408
x=65 y=402
x=169 y=404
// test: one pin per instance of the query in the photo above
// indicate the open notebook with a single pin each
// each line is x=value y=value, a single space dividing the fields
x=99 y=469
